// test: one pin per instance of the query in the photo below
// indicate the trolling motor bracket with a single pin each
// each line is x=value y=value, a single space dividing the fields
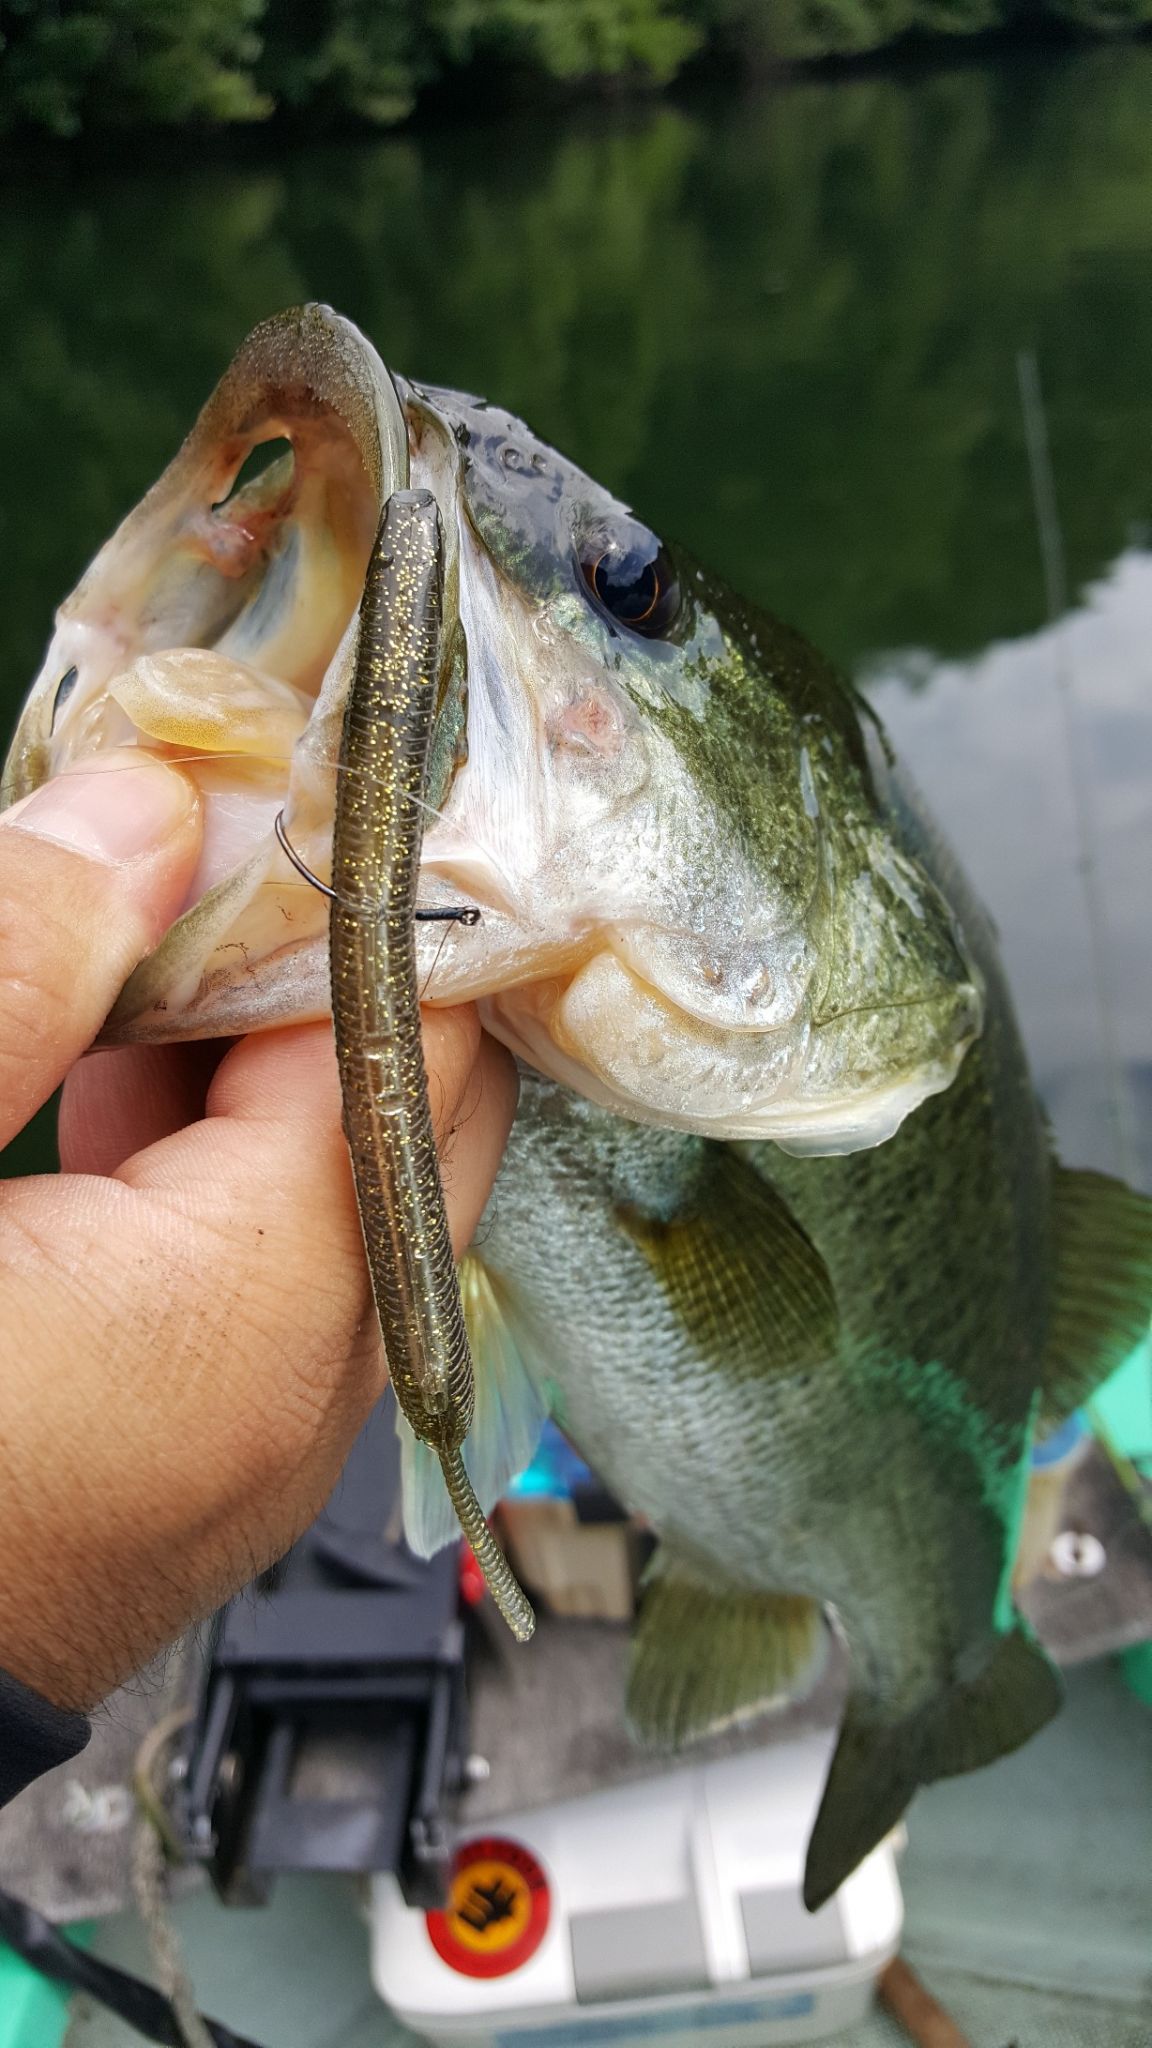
x=331 y=1731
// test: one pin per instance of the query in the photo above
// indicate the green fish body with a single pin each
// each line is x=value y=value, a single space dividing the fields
x=779 y=1239
x=854 y=1350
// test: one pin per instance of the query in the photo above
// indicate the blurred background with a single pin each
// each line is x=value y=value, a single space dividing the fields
x=782 y=308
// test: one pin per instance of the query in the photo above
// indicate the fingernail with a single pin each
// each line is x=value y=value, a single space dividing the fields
x=114 y=807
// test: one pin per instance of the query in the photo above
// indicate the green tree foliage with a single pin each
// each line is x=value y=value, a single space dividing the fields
x=370 y=58
x=66 y=65
x=786 y=329
x=959 y=17
x=807 y=30
x=366 y=58
x=1103 y=17
x=574 y=39
x=839 y=28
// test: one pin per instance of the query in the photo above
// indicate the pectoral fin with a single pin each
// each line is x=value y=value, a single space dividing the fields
x=506 y=1424
x=747 y=1284
x=1103 y=1249
x=754 y=1295
x=701 y=1657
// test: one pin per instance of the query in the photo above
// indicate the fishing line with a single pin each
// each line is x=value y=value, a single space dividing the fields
x=333 y=765
x=427 y=982
x=1053 y=557
x=456 y=913
x=203 y=757
x=467 y=914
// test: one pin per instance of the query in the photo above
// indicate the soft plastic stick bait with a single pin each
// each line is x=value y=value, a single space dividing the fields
x=376 y=1010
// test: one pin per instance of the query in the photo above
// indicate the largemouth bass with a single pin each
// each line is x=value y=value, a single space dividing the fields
x=779 y=1239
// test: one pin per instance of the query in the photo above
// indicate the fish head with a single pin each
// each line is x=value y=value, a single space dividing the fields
x=697 y=905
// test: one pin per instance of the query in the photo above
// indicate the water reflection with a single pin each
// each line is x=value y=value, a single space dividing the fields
x=786 y=329
x=1037 y=761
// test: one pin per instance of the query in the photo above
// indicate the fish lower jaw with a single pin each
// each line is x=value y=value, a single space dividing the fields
x=832 y=1130
x=626 y=1047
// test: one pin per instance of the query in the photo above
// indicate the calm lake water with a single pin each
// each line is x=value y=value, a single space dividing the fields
x=789 y=329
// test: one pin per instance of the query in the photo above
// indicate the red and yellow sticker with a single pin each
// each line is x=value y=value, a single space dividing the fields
x=497 y=1912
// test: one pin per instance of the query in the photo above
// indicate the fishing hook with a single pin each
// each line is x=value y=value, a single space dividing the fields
x=457 y=913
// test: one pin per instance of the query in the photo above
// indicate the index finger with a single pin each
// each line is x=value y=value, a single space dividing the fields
x=272 y=1132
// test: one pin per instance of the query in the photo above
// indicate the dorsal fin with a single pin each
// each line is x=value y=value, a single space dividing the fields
x=1102 y=1235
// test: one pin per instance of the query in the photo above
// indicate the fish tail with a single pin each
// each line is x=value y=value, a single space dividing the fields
x=881 y=1760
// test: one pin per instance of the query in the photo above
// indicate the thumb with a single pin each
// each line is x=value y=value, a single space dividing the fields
x=93 y=868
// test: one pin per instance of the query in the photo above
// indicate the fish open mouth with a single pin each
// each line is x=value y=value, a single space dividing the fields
x=215 y=629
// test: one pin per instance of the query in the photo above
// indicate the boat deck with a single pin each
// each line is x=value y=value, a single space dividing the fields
x=1029 y=1893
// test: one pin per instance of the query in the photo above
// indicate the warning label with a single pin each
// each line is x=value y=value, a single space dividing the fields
x=497 y=1911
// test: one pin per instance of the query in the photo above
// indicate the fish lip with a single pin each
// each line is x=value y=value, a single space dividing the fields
x=119 y=583
x=467 y=873
x=883 y=1107
x=831 y=1125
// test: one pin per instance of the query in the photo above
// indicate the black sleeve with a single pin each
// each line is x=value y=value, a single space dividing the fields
x=34 y=1736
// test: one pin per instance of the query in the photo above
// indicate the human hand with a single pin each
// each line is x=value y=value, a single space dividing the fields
x=187 y=1348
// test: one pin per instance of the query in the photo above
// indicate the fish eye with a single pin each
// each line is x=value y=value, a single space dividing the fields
x=64 y=689
x=633 y=580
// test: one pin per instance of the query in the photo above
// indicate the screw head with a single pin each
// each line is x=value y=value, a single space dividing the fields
x=1077 y=1554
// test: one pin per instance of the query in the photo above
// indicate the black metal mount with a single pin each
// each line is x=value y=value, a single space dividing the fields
x=331 y=1732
